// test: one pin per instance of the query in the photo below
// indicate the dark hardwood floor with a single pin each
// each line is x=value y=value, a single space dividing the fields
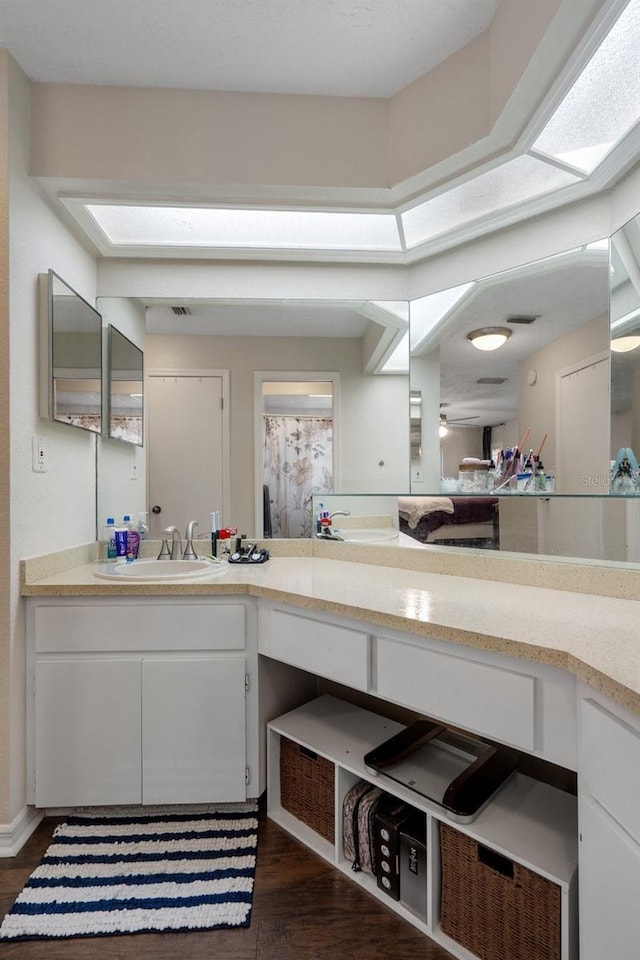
x=303 y=909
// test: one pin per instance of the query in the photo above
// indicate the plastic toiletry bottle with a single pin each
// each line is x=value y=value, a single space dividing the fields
x=319 y=512
x=132 y=539
x=109 y=539
x=120 y=533
x=142 y=527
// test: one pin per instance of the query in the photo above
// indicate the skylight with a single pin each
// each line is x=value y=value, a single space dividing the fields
x=125 y=225
x=604 y=102
x=492 y=192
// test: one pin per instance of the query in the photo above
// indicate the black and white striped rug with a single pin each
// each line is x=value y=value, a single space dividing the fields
x=115 y=871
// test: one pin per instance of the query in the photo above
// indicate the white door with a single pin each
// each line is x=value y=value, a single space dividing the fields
x=87 y=732
x=186 y=462
x=584 y=418
x=573 y=526
x=193 y=730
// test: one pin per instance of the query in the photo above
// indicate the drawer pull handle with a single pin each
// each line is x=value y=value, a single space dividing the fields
x=308 y=753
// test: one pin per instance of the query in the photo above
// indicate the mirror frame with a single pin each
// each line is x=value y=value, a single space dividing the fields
x=112 y=334
x=48 y=311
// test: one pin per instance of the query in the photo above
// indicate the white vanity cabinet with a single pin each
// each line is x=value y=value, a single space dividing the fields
x=530 y=706
x=609 y=824
x=137 y=700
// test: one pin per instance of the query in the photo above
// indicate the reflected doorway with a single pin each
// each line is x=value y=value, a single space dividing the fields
x=187 y=468
x=295 y=459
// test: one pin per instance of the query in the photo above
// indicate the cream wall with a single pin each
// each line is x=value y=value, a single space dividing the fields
x=54 y=509
x=373 y=420
x=5 y=456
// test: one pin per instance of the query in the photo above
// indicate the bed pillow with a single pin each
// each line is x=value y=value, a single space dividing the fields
x=413 y=509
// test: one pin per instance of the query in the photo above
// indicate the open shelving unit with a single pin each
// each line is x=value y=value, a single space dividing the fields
x=527 y=821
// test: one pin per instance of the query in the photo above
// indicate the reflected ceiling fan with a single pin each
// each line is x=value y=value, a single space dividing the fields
x=446 y=421
x=460 y=419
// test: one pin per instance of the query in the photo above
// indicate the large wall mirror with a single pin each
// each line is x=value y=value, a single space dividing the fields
x=70 y=356
x=557 y=313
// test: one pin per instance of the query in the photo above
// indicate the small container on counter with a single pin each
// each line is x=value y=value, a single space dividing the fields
x=467 y=477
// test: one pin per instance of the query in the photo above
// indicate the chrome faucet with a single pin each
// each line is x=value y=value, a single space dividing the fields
x=189 y=552
x=326 y=533
x=329 y=535
x=176 y=544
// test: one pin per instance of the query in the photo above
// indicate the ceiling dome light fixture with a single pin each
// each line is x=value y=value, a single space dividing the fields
x=625 y=344
x=489 y=338
x=443 y=429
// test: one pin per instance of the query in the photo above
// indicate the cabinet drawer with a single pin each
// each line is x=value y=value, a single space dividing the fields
x=609 y=763
x=489 y=700
x=139 y=627
x=330 y=651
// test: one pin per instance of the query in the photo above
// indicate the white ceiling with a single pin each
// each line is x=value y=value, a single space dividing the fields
x=258 y=318
x=361 y=48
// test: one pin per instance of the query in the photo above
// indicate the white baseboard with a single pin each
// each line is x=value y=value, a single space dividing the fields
x=14 y=835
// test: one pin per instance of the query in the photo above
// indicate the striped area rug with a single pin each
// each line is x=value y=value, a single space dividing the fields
x=114 y=871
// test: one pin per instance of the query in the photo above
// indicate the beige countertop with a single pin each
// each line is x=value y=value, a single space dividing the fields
x=594 y=637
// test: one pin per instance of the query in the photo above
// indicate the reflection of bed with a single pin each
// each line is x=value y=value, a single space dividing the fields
x=452 y=521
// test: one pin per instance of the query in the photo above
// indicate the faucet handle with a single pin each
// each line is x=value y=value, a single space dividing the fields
x=190 y=528
x=189 y=552
x=165 y=553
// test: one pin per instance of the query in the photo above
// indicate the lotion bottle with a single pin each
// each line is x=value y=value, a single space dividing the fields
x=133 y=539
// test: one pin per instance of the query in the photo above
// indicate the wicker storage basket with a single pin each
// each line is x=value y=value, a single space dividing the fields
x=307 y=787
x=495 y=907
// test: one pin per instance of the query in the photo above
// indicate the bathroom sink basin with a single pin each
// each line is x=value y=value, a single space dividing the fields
x=160 y=570
x=367 y=536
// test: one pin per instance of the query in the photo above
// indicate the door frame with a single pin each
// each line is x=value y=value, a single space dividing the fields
x=289 y=376
x=223 y=375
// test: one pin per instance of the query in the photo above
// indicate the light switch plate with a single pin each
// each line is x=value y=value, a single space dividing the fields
x=38 y=455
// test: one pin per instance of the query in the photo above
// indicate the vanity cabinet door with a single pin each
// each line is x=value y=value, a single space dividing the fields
x=609 y=877
x=193 y=730
x=87 y=732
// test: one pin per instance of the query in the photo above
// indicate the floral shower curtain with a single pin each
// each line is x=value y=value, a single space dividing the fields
x=298 y=462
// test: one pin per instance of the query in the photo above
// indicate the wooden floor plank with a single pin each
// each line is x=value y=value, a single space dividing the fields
x=303 y=909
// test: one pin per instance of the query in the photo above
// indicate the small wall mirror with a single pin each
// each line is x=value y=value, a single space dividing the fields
x=125 y=388
x=71 y=356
